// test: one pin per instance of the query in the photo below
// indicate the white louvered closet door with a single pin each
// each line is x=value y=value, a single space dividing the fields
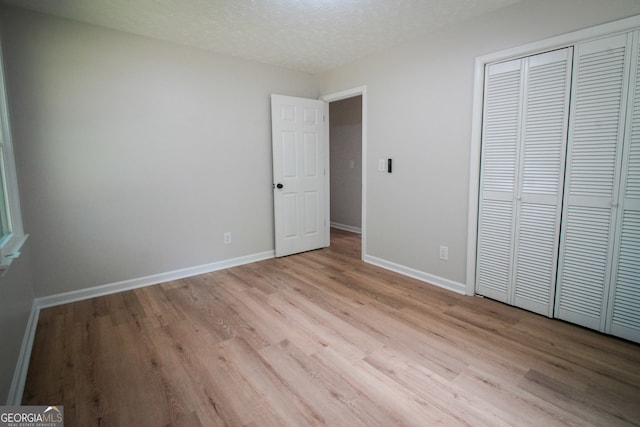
x=500 y=149
x=623 y=317
x=541 y=173
x=523 y=148
x=596 y=130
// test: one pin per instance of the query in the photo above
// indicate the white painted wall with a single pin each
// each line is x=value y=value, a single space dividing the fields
x=16 y=299
x=419 y=113
x=135 y=155
x=345 y=127
x=17 y=292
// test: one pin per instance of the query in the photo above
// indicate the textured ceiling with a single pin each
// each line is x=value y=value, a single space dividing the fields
x=306 y=35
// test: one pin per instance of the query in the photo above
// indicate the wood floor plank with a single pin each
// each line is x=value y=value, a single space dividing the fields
x=577 y=402
x=524 y=408
x=322 y=338
x=254 y=278
x=158 y=307
x=310 y=321
x=263 y=324
x=192 y=354
x=336 y=330
x=45 y=383
x=303 y=377
x=285 y=402
x=413 y=375
x=308 y=377
x=88 y=397
x=402 y=405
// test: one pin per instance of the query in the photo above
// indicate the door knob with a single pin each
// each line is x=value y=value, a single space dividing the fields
x=279 y=186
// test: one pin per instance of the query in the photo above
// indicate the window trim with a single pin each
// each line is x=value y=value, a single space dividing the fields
x=12 y=244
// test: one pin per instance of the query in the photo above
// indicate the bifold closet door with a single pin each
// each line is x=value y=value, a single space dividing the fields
x=523 y=155
x=539 y=197
x=623 y=318
x=500 y=149
x=591 y=196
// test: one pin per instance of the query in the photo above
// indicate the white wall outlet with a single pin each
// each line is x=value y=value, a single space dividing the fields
x=444 y=253
x=352 y=164
x=381 y=165
x=227 y=237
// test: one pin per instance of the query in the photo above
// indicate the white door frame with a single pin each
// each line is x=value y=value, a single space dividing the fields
x=337 y=96
x=558 y=42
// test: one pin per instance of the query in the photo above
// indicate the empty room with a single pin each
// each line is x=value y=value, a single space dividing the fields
x=331 y=212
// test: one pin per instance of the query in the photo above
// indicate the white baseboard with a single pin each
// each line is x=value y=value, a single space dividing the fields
x=441 y=282
x=22 y=366
x=345 y=227
x=126 y=285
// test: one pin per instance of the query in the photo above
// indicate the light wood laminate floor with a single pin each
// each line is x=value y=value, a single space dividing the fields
x=322 y=338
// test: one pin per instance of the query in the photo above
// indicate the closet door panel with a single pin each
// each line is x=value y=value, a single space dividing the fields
x=596 y=130
x=583 y=265
x=496 y=240
x=536 y=258
x=538 y=208
x=500 y=136
x=624 y=318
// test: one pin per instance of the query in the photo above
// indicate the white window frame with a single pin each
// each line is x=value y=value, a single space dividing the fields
x=11 y=243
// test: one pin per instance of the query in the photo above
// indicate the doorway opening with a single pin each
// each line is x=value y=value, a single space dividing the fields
x=347 y=160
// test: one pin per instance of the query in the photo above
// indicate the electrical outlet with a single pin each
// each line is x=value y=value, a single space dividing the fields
x=352 y=164
x=381 y=165
x=444 y=253
x=227 y=237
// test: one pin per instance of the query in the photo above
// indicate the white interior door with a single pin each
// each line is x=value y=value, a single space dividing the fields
x=300 y=157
